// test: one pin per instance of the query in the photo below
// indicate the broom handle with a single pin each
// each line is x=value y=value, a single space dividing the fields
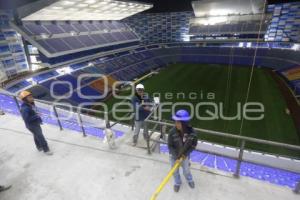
x=167 y=178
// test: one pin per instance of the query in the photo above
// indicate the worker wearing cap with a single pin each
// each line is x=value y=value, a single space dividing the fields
x=142 y=108
x=181 y=142
x=33 y=121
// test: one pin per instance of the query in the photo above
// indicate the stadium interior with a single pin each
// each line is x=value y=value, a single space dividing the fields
x=242 y=50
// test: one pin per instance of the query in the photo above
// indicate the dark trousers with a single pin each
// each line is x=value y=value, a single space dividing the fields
x=39 y=139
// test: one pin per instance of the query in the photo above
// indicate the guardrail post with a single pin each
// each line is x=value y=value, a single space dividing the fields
x=163 y=132
x=240 y=159
x=297 y=188
x=81 y=124
x=57 y=117
x=107 y=123
x=148 y=138
x=17 y=103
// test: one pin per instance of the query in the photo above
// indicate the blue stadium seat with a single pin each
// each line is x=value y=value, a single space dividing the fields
x=70 y=79
x=18 y=87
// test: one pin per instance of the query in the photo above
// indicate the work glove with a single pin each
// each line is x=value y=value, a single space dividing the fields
x=181 y=155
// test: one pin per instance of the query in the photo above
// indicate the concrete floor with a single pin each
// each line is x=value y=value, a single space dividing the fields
x=86 y=169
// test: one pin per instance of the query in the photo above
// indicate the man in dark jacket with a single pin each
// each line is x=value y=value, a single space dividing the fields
x=142 y=108
x=181 y=142
x=33 y=121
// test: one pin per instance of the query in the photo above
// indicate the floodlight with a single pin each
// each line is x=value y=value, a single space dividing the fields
x=86 y=10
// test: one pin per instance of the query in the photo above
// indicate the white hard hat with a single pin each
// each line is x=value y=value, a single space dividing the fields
x=140 y=86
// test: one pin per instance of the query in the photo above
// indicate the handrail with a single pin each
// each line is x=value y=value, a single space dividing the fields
x=241 y=149
x=157 y=123
x=211 y=132
x=199 y=150
x=228 y=135
x=68 y=105
x=54 y=107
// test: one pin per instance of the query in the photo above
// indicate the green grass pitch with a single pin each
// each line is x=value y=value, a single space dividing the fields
x=204 y=79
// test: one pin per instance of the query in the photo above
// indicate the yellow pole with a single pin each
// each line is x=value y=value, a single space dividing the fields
x=167 y=178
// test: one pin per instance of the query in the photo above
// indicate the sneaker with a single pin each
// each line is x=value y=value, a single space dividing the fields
x=192 y=184
x=40 y=149
x=49 y=153
x=176 y=188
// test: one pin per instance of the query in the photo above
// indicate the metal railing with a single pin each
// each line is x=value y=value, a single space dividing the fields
x=79 y=116
x=158 y=126
x=81 y=112
x=241 y=149
x=242 y=140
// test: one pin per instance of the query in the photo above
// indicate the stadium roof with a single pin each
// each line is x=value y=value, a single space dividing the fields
x=159 y=5
x=48 y=10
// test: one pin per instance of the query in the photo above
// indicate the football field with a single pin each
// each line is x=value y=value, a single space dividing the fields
x=221 y=91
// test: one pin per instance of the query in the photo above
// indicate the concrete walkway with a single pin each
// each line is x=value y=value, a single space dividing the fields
x=86 y=169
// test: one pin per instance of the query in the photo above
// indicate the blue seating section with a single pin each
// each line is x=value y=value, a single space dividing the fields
x=70 y=79
x=84 y=80
x=76 y=99
x=13 y=57
x=94 y=70
x=285 y=24
x=79 y=65
x=122 y=66
x=293 y=83
x=58 y=89
x=62 y=89
x=241 y=28
x=273 y=58
x=175 y=27
x=296 y=86
x=88 y=91
x=127 y=66
x=18 y=86
x=77 y=36
x=161 y=27
x=260 y=172
x=45 y=76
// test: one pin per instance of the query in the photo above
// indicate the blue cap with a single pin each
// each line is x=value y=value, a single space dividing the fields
x=181 y=115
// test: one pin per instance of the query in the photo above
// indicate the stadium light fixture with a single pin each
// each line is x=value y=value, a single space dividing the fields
x=64 y=70
x=296 y=47
x=219 y=12
x=186 y=38
x=35 y=67
x=206 y=8
x=68 y=10
x=90 y=64
x=30 y=80
x=44 y=36
x=211 y=20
